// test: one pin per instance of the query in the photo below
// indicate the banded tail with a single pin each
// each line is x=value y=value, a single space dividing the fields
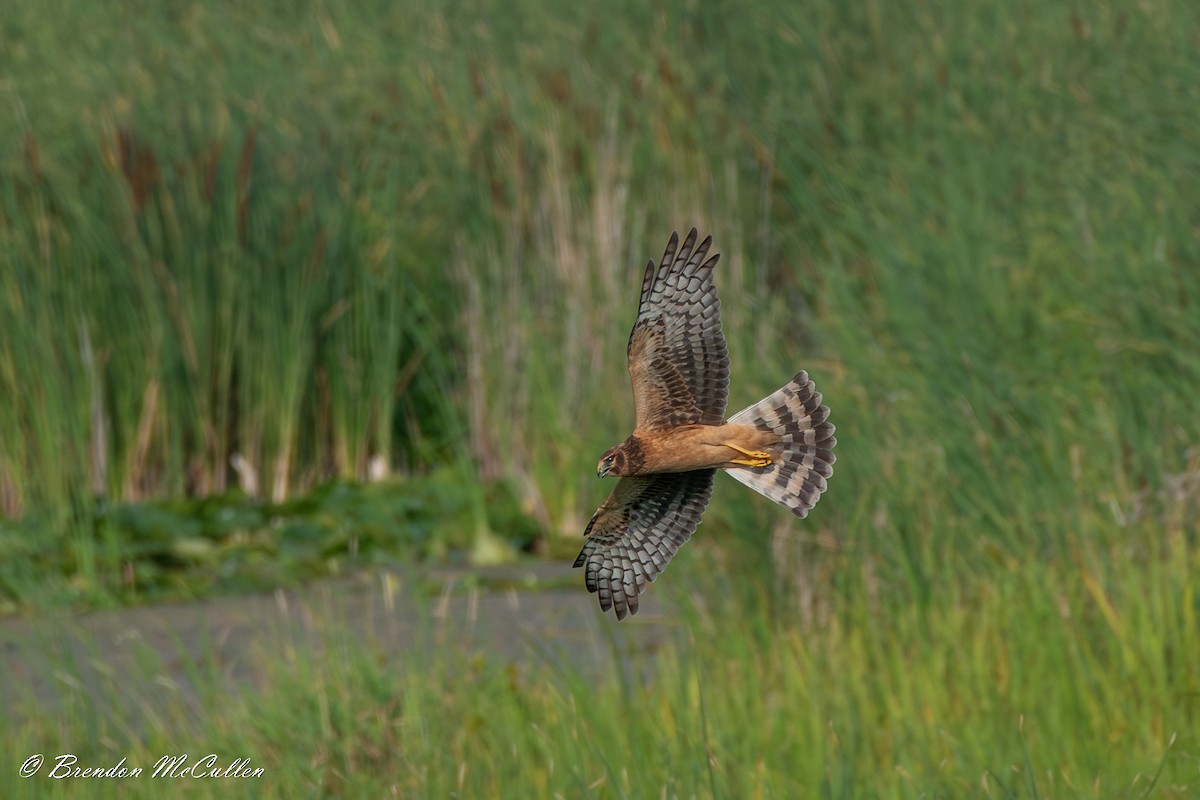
x=804 y=453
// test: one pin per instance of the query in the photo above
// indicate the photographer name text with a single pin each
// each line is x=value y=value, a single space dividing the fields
x=66 y=766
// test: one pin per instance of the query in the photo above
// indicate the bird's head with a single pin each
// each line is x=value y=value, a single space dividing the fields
x=612 y=462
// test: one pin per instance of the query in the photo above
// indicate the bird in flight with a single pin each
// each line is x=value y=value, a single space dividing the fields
x=781 y=447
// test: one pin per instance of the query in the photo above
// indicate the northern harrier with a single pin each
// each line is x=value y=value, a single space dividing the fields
x=781 y=447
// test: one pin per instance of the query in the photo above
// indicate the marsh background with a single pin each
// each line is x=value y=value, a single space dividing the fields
x=295 y=290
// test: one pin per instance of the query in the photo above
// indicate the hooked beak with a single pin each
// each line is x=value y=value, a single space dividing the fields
x=601 y=471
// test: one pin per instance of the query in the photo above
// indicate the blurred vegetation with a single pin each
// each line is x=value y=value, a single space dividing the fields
x=276 y=253
x=189 y=548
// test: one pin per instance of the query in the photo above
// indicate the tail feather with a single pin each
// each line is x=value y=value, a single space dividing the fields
x=804 y=453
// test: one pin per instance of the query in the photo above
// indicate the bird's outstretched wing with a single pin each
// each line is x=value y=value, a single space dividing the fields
x=636 y=532
x=678 y=361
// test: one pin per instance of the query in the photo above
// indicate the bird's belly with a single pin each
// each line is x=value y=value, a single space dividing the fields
x=692 y=447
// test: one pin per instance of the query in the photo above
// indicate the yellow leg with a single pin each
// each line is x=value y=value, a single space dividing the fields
x=754 y=458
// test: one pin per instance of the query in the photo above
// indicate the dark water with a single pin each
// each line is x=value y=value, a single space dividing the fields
x=137 y=661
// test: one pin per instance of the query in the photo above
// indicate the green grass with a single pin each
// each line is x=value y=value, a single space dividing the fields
x=348 y=240
x=1017 y=689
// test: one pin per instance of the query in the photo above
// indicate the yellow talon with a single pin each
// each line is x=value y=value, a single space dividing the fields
x=754 y=458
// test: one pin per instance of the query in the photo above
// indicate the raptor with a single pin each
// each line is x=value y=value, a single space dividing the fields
x=781 y=447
